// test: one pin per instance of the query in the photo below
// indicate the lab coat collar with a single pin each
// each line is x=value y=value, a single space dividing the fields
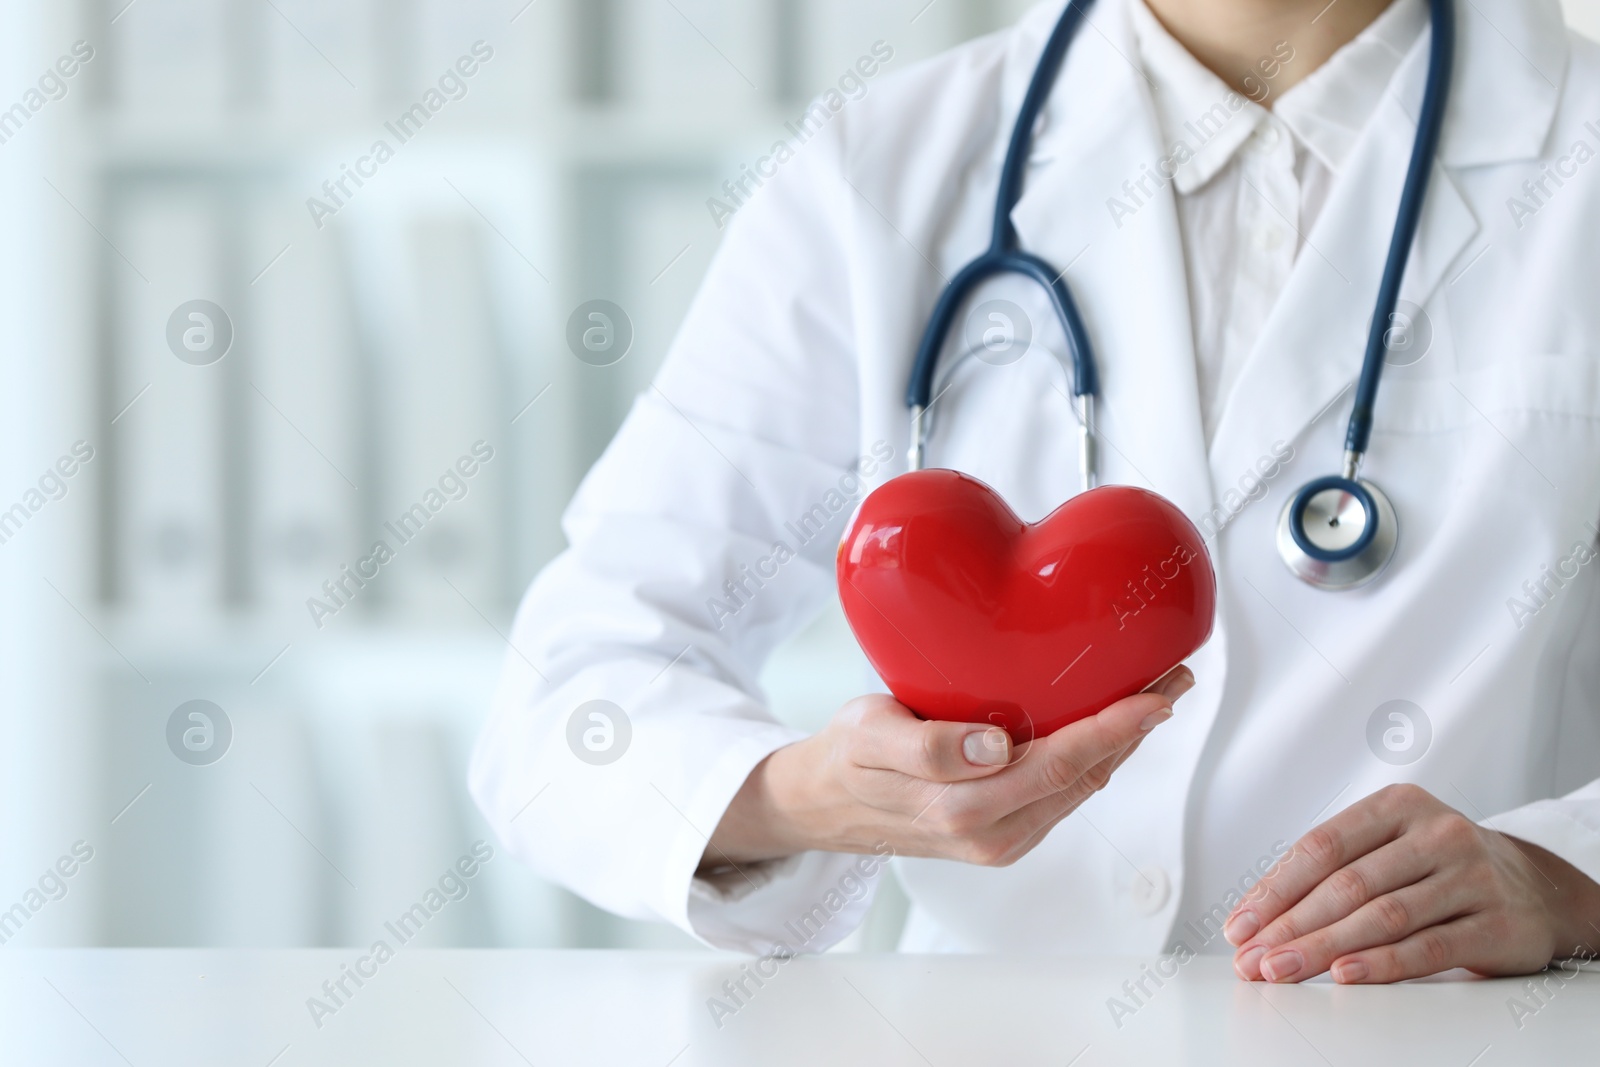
x=1188 y=99
x=1329 y=109
x=1326 y=111
x=1511 y=61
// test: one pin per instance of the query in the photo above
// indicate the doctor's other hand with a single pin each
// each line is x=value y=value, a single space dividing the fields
x=1400 y=885
x=877 y=774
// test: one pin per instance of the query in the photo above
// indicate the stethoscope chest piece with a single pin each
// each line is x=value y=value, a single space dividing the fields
x=1338 y=533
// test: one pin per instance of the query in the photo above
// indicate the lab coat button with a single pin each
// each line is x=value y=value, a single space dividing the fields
x=1151 y=889
x=1267 y=137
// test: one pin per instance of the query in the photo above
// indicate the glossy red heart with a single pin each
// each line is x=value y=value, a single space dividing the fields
x=970 y=614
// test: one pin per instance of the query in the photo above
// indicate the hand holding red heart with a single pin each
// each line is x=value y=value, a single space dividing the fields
x=879 y=774
x=1065 y=633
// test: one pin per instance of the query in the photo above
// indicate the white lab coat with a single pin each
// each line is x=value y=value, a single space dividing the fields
x=793 y=362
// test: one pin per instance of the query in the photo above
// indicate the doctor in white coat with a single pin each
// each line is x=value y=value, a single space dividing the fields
x=1381 y=783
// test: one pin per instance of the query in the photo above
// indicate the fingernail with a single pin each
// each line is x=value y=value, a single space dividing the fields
x=1350 y=971
x=1154 y=719
x=1282 y=966
x=1241 y=928
x=1177 y=686
x=987 y=748
x=1248 y=966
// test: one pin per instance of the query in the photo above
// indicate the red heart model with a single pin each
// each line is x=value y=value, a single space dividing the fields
x=970 y=614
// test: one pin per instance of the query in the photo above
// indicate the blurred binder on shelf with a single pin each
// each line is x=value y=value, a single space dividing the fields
x=437 y=374
x=307 y=419
x=666 y=247
x=446 y=422
x=651 y=240
x=172 y=452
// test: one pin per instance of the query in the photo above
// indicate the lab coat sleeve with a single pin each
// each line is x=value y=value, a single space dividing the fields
x=690 y=558
x=1568 y=826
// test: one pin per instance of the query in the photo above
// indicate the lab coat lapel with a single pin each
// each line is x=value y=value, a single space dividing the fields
x=1125 y=267
x=1310 y=350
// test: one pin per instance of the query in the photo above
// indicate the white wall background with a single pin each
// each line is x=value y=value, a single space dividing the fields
x=369 y=354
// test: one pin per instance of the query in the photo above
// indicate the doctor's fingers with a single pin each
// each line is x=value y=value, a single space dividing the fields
x=1172 y=685
x=1365 y=826
x=1026 y=827
x=973 y=823
x=1476 y=941
x=1010 y=832
x=1077 y=760
x=887 y=736
x=1385 y=920
x=1340 y=895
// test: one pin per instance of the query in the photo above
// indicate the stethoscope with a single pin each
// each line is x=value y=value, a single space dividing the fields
x=1337 y=532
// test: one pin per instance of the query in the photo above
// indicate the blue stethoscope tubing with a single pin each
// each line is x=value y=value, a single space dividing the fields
x=1005 y=257
x=1337 y=532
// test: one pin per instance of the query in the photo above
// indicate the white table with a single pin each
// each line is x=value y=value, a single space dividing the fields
x=171 y=1007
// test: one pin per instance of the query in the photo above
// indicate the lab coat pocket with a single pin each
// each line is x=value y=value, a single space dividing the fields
x=1537 y=384
x=1529 y=417
x=1506 y=458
